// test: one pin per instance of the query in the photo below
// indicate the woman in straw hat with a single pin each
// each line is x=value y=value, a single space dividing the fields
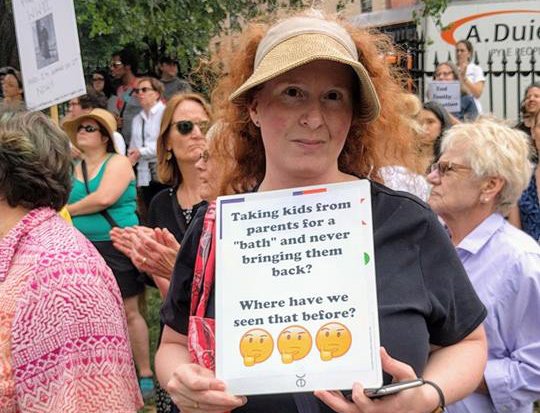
x=104 y=196
x=311 y=101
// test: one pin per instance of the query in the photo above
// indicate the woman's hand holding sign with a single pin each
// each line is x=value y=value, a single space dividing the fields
x=195 y=389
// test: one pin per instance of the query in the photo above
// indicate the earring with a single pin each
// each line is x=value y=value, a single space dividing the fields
x=168 y=156
x=257 y=124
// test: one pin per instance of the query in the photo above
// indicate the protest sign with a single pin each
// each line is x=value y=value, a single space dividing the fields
x=296 y=303
x=49 y=52
x=447 y=93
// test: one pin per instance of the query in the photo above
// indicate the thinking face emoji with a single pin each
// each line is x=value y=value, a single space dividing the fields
x=256 y=346
x=333 y=340
x=294 y=343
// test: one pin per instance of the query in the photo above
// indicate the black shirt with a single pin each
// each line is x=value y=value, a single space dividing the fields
x=165 y=212
x=424 y=295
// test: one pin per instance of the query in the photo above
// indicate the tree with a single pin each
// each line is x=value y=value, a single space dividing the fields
x=182 y=28
x=8 y=51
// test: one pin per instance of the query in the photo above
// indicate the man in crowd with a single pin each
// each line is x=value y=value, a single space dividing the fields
x=123 y=68
x=169 y=77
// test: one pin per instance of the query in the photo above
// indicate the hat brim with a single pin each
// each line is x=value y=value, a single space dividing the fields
x=306 y=48
x=70 y=126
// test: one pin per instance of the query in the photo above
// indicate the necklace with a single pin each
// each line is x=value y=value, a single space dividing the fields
x=187 y=213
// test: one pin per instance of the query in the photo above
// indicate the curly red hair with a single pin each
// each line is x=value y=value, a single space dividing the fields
x=369 y=146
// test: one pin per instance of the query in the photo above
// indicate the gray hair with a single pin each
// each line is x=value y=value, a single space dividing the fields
x=35 y=161
x=494 y=149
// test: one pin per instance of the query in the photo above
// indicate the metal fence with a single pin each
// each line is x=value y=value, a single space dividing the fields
x=506 y=78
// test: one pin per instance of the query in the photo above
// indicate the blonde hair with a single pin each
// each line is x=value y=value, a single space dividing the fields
x=167 y=169
x=496 y=150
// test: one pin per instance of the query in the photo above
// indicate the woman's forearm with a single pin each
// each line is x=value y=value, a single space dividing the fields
x=458 y=369
x=475 y=89
x=169 y=356
x=90 y=204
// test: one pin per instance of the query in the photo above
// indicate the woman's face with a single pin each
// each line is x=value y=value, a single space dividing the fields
x=89 y=136
x=456 y=191
x=146 y=94
x=444 y=72
x=462 y=53
x=208 y=176
x=532 y=100
x=187 y=147
x=10 y=86
x=431 y=125
x=304 y=116
x=98 y=82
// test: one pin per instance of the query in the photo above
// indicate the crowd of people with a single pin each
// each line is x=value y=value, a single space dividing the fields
x=306 y=100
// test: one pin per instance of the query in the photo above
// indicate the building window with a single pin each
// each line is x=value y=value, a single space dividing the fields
x=367 y=6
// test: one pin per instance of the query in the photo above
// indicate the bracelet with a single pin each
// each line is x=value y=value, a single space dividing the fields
x=442 y=403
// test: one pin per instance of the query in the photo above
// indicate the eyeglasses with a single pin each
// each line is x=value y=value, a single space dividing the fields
x=98 y=79
x=71 y=104
x=204 y=156
x=443 y=167
x=138 y=90
x=87 y=128
x=449 y=73
x=115 y=64
x=184 y=127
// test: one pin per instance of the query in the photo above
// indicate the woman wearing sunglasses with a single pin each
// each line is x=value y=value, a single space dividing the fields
x=481 y=173
x=104 y=196
x=153 y=249
x=144 y=134
x=179 y=146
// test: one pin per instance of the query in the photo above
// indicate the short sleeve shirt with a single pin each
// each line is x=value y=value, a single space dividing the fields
x=424 y=295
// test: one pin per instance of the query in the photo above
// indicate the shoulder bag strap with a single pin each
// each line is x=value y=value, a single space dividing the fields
x=104 y=212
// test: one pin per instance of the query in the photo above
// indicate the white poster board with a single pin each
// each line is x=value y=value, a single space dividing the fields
x=296 y=300
x=49 y=52
x=446 y=93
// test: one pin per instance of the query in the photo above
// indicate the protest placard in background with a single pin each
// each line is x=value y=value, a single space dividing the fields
x=447 y=93
x=49 y=52
x=296 y=303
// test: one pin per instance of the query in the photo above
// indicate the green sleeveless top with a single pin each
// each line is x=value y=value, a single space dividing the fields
x=94 y=226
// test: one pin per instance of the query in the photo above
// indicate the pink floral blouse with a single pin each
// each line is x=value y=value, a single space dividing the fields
x=63 y=335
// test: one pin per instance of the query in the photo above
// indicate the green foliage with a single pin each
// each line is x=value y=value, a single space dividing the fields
x=433 y=8
x=182 y=28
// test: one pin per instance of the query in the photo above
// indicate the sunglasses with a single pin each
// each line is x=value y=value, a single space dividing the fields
x=185 y=127
x=87 y=128
x=138 y=90
x=116 y=64
x=98 y=79
x=443 y=167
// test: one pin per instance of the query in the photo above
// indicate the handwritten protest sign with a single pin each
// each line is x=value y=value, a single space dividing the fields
x=296 y=304
x=49 y=52
x=447 y=93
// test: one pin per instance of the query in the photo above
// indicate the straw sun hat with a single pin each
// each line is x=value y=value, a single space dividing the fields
x=101 y=116
x=300 y=40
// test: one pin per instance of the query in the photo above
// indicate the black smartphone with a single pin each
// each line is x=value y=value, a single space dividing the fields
x=392 y=388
